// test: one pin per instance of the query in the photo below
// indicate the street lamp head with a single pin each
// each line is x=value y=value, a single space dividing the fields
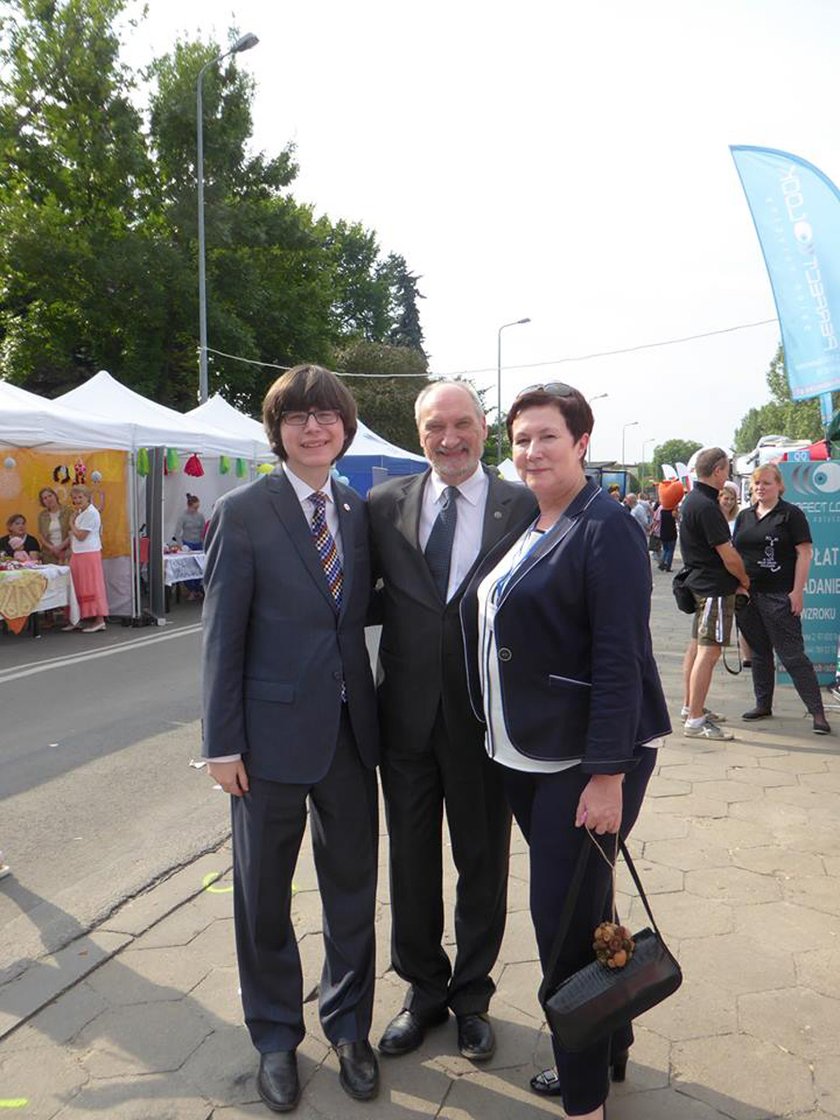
x=245 y=43
x=598 y=397
x=518 y=321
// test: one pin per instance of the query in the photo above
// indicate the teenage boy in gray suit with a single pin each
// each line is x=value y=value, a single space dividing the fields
x=290 y=719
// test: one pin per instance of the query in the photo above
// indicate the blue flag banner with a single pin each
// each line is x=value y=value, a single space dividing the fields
x=796 y=211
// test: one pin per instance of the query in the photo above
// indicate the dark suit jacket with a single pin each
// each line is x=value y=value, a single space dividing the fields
x=573 y=640
x=274 y=650
x=421 y=652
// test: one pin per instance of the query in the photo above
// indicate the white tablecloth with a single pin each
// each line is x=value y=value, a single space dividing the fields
x=59 y=591
x=178 y=567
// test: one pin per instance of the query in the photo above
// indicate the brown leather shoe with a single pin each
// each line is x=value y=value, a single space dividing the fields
x=277 y=1080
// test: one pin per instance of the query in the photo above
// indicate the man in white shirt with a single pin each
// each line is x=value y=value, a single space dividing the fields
x=428 y=532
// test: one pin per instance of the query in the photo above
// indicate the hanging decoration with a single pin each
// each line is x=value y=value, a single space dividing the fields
x=224 y=464
x=142 y=464
x=96 y=476
x=172 y=463
x=9 y=463
x=241 y=468
x=193 y=467
x=265 y=468
x=79 y=472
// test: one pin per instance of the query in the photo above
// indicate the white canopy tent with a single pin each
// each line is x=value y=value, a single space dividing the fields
x=27 y=420
x=148 y=424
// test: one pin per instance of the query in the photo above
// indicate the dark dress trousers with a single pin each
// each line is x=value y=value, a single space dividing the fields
x=433 y=757
x=276 y=658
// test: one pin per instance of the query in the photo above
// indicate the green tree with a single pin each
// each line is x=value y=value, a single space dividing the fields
x=405 y=313
x=673 y=451
x=75 y=248
x=386 y=404
x=782 y=415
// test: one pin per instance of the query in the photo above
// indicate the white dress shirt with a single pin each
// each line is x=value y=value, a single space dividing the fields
x=469 y=525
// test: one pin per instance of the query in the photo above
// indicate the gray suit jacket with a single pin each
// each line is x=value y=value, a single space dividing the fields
x=274 y=650
x=421 y=652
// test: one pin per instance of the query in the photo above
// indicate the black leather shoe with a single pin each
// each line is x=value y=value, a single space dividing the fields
x=476 y=1040
x=821 y=724
x=757 y=713
x=358 y=1070
x=407 y=1030
x=277 y=1081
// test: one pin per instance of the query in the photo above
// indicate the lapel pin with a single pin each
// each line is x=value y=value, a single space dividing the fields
x=498 y=515
x=346 y=507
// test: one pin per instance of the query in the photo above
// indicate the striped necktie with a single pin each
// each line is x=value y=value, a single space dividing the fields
x=324 y=543
x=438 y=551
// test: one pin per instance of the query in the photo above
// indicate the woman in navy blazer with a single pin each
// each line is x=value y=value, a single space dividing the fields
x=561 y=670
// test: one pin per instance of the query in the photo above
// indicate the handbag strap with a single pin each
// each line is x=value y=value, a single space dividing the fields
x=571 y=901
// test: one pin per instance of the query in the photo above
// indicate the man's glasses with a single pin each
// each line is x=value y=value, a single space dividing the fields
x=323 y=416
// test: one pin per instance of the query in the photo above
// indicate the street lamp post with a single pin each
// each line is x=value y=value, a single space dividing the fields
x=504 y=326
x=597 y=397
x=243 y=44
x=631 y=424
x=645 y=442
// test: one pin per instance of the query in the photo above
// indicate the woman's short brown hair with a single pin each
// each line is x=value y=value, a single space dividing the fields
x=80 y=488
x=15 y=517
x=46 y=490
x=569 y=402
x=300 y=389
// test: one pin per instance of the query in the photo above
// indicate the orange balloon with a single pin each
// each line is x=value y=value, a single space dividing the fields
x=671 y=493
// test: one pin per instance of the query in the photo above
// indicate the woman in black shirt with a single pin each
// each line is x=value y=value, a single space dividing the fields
x=774 y=540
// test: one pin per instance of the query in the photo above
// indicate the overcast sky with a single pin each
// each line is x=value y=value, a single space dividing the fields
x=563 y=161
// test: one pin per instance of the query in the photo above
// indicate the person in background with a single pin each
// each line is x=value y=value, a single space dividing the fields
x=560 y=664
x=53 y=527
x=17 y=543
x=715 y=573
x=638 y=512
x=86 y=561
x=729 y=503
x=189 y=533
x=774 y=540
x=668 y=537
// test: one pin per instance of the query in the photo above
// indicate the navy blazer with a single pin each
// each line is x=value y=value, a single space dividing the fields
x=578 y=677
x=274 y=650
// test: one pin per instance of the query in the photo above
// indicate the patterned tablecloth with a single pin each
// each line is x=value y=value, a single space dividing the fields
x=178 y=567
x=44 y=588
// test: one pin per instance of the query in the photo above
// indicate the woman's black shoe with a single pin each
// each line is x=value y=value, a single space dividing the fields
x=547 y=1083
x=618 y=1066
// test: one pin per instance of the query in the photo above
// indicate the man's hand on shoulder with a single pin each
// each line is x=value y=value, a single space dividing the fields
x=231 y=776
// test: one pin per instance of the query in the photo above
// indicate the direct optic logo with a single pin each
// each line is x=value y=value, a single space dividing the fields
x=824 y=479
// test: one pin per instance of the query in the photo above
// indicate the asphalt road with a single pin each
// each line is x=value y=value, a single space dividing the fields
x=97 y=795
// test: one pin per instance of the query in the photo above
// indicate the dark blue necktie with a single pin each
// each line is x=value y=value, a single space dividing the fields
x=438 y=551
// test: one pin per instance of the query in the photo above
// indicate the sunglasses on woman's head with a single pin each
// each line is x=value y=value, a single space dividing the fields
x=554 y=388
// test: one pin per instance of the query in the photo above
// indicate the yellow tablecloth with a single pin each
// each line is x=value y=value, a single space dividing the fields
x=43 y=588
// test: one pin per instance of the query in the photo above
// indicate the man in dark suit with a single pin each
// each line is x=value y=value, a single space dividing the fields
x=290 y=717
x=428 y=533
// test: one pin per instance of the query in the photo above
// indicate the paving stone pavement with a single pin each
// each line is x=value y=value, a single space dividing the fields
x=739 y=848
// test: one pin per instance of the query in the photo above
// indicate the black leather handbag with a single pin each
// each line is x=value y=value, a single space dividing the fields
x=593 y=1002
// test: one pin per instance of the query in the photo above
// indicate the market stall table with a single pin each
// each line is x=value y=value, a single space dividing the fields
x=25 y=592
x=181 y=567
